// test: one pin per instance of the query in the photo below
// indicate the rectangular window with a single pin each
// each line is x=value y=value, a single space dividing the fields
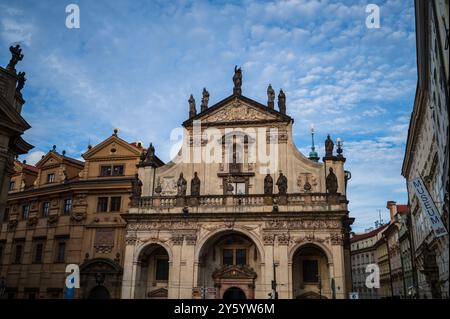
x=50 y=178
x=241 y=257
x=60 y=252
x=162 y=269
x=102 y=204
x=12 y=185
x=115 y=204
x=227 y=257
x=25 y=211
x=45 y=209
x=105 y=170
x=18 y=254
x=310 y=271
x=117 y=170
x=67 y=205
x=38 y=250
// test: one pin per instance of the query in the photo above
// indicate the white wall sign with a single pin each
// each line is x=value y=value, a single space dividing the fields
x=353 y=295
x=428 y=207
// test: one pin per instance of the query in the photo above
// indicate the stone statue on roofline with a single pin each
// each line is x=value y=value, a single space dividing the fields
x=237 y=80
x=270 y=97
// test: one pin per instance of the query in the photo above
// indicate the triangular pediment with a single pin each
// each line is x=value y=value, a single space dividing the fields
x=234 y=272
x=54 y=158
x=238 y=109
x=112 y=146
x=50 y=159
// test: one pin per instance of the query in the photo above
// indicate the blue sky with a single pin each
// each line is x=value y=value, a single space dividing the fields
x=133 y=64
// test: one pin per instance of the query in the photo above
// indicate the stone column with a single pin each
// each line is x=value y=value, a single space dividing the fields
x=188 y=267
x=339 y=271
x=129 y=270
x=175 y=272
x=283 y=267
x=290 y=283
x=268 y=240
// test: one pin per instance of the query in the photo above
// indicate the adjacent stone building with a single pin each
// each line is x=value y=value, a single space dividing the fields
x=427 y=149
x=12 y=124
x=66 y=211
x=363 y=253
x=221 y=222
x=392 y=239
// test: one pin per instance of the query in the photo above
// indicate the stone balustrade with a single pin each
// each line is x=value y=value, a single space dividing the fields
x=295 y=199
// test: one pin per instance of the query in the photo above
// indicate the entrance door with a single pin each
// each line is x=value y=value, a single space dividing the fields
x=234 y=293
x=99 y=292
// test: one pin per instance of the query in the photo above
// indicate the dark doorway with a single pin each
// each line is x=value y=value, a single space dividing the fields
x=99 y=292
x=234 y=293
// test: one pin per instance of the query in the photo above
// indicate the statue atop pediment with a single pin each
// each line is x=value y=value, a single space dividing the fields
x=270 y=97
x=237 y=80
x=192 y=109
x=205 y=100
x=282 y=102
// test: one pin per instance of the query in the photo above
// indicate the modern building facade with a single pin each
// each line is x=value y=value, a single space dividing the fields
x=427 y=152
x=66 y=211
x=220 y=222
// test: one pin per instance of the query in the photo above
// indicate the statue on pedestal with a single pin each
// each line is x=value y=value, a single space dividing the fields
x=237 y=80
x=181 y=186
x=268 y=185
x=282 y=184
x=270 y=97
x=16 y=56
x=331 y=182
x=195 y=185
x=205 y=100
x=20 y=81
x=192 y=109
x=136 y=189
x=282 y=102
x=329 y=145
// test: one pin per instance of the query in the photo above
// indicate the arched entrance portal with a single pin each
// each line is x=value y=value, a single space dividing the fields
x=100 y=278
x=229 y=266
x=152 y=280
x=310 y=273
x=234 y=293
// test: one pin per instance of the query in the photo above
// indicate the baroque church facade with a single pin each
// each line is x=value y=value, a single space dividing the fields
x=239 y=212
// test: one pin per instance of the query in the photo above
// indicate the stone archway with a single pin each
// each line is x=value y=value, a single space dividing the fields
x=152 y=272
x=229 y=259
x=310 y=272
x=234 y=293
x=100 y=278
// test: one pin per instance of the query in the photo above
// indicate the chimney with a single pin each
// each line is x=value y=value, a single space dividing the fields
x=392 y=206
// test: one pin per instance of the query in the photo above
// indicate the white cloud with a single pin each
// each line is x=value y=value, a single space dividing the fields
x=33 y=157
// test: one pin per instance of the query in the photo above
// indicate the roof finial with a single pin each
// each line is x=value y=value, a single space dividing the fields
x=54 y=148
x=116 y=130
x=313 y=154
